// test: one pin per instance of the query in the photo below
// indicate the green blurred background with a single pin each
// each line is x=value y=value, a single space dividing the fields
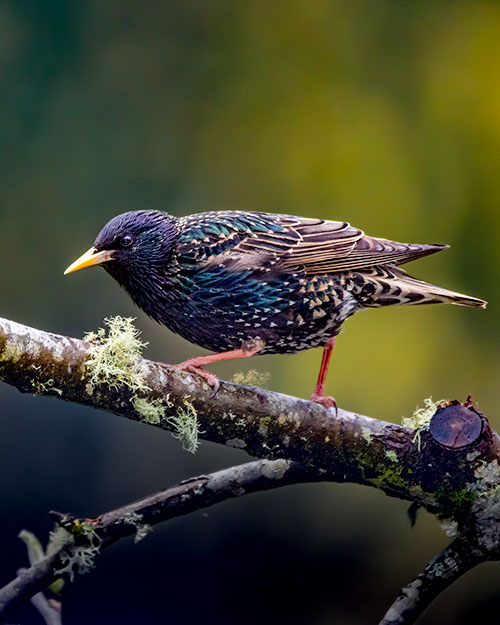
x=385 y=114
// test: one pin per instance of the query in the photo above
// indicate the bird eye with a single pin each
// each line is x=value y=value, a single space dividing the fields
x=126 y=240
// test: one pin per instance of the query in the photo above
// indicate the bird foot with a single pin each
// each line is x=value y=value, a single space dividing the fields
x=208 y=376
x=194 y=365
x=325 y=400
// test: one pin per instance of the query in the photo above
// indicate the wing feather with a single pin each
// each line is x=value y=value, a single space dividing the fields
x=240 y=240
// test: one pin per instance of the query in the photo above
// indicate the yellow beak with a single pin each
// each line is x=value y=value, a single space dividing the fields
x=91 y=257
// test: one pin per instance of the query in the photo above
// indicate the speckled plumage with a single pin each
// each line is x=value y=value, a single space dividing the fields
x=223 y=279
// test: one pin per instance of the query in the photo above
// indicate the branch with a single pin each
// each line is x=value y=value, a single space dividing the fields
x=263 y=423
x=447 y=460
x=135 y=519
x=453 y=562
x=49 y=609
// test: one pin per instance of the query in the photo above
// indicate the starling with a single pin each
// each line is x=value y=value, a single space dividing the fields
x=244 y=283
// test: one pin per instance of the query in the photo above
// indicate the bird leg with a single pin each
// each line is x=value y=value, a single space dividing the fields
x=194 y=365
x=319 y=392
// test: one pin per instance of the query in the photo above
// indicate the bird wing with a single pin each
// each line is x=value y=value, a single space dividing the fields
x=243 y=240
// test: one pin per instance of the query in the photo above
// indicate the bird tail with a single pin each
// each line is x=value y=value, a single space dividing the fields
x=420 y=292
x=384 y=286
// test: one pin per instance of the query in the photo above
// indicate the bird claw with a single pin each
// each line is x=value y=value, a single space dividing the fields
x=325 y=400
x=208 y=376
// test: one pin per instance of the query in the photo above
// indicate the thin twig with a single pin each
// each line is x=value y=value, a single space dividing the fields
x=50 y=609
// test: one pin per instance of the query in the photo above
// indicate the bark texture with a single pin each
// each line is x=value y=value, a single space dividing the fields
x=447 y=462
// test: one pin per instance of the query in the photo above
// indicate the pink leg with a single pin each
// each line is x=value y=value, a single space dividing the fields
x=194 y=365
x=319 y=392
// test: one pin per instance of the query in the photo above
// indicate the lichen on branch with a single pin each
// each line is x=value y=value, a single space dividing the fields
x=445 y=458
x=263 y=423
x=114 y=356
x=185 y=426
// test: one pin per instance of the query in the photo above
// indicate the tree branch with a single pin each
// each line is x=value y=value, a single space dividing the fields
x=49 y=609
x=453 y=562
x=446 y=461
x=263 y=423
x=135 y=519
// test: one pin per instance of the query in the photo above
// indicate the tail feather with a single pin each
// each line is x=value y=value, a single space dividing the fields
x=384 y=286
x=433 y=293
x=438 y=294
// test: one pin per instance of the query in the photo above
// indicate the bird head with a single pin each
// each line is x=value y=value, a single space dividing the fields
x=130 y=243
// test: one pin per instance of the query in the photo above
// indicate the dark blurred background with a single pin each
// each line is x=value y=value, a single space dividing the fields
x=385 y=114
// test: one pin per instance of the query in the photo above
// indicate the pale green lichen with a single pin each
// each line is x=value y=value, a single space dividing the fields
x=486 y=505
x=275 y=469
x=199 y=490
x=13 y=349
x=487 y=474
x=473 y=455
x=78 y=556
x=58 y=538
x=33 y=545
x=391 y=454
x=114 y=356
x=450 y=528
x=42 y=388
x=487 y=508
x=439 y=569
x=251 y=378
x=421 y=418
x=151 y=410
x=185 y=426
x=365 y=433
x=264 y=426
x=36 y=553
x=141 y=529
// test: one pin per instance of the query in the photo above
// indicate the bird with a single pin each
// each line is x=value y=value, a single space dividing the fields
x=242 y=283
